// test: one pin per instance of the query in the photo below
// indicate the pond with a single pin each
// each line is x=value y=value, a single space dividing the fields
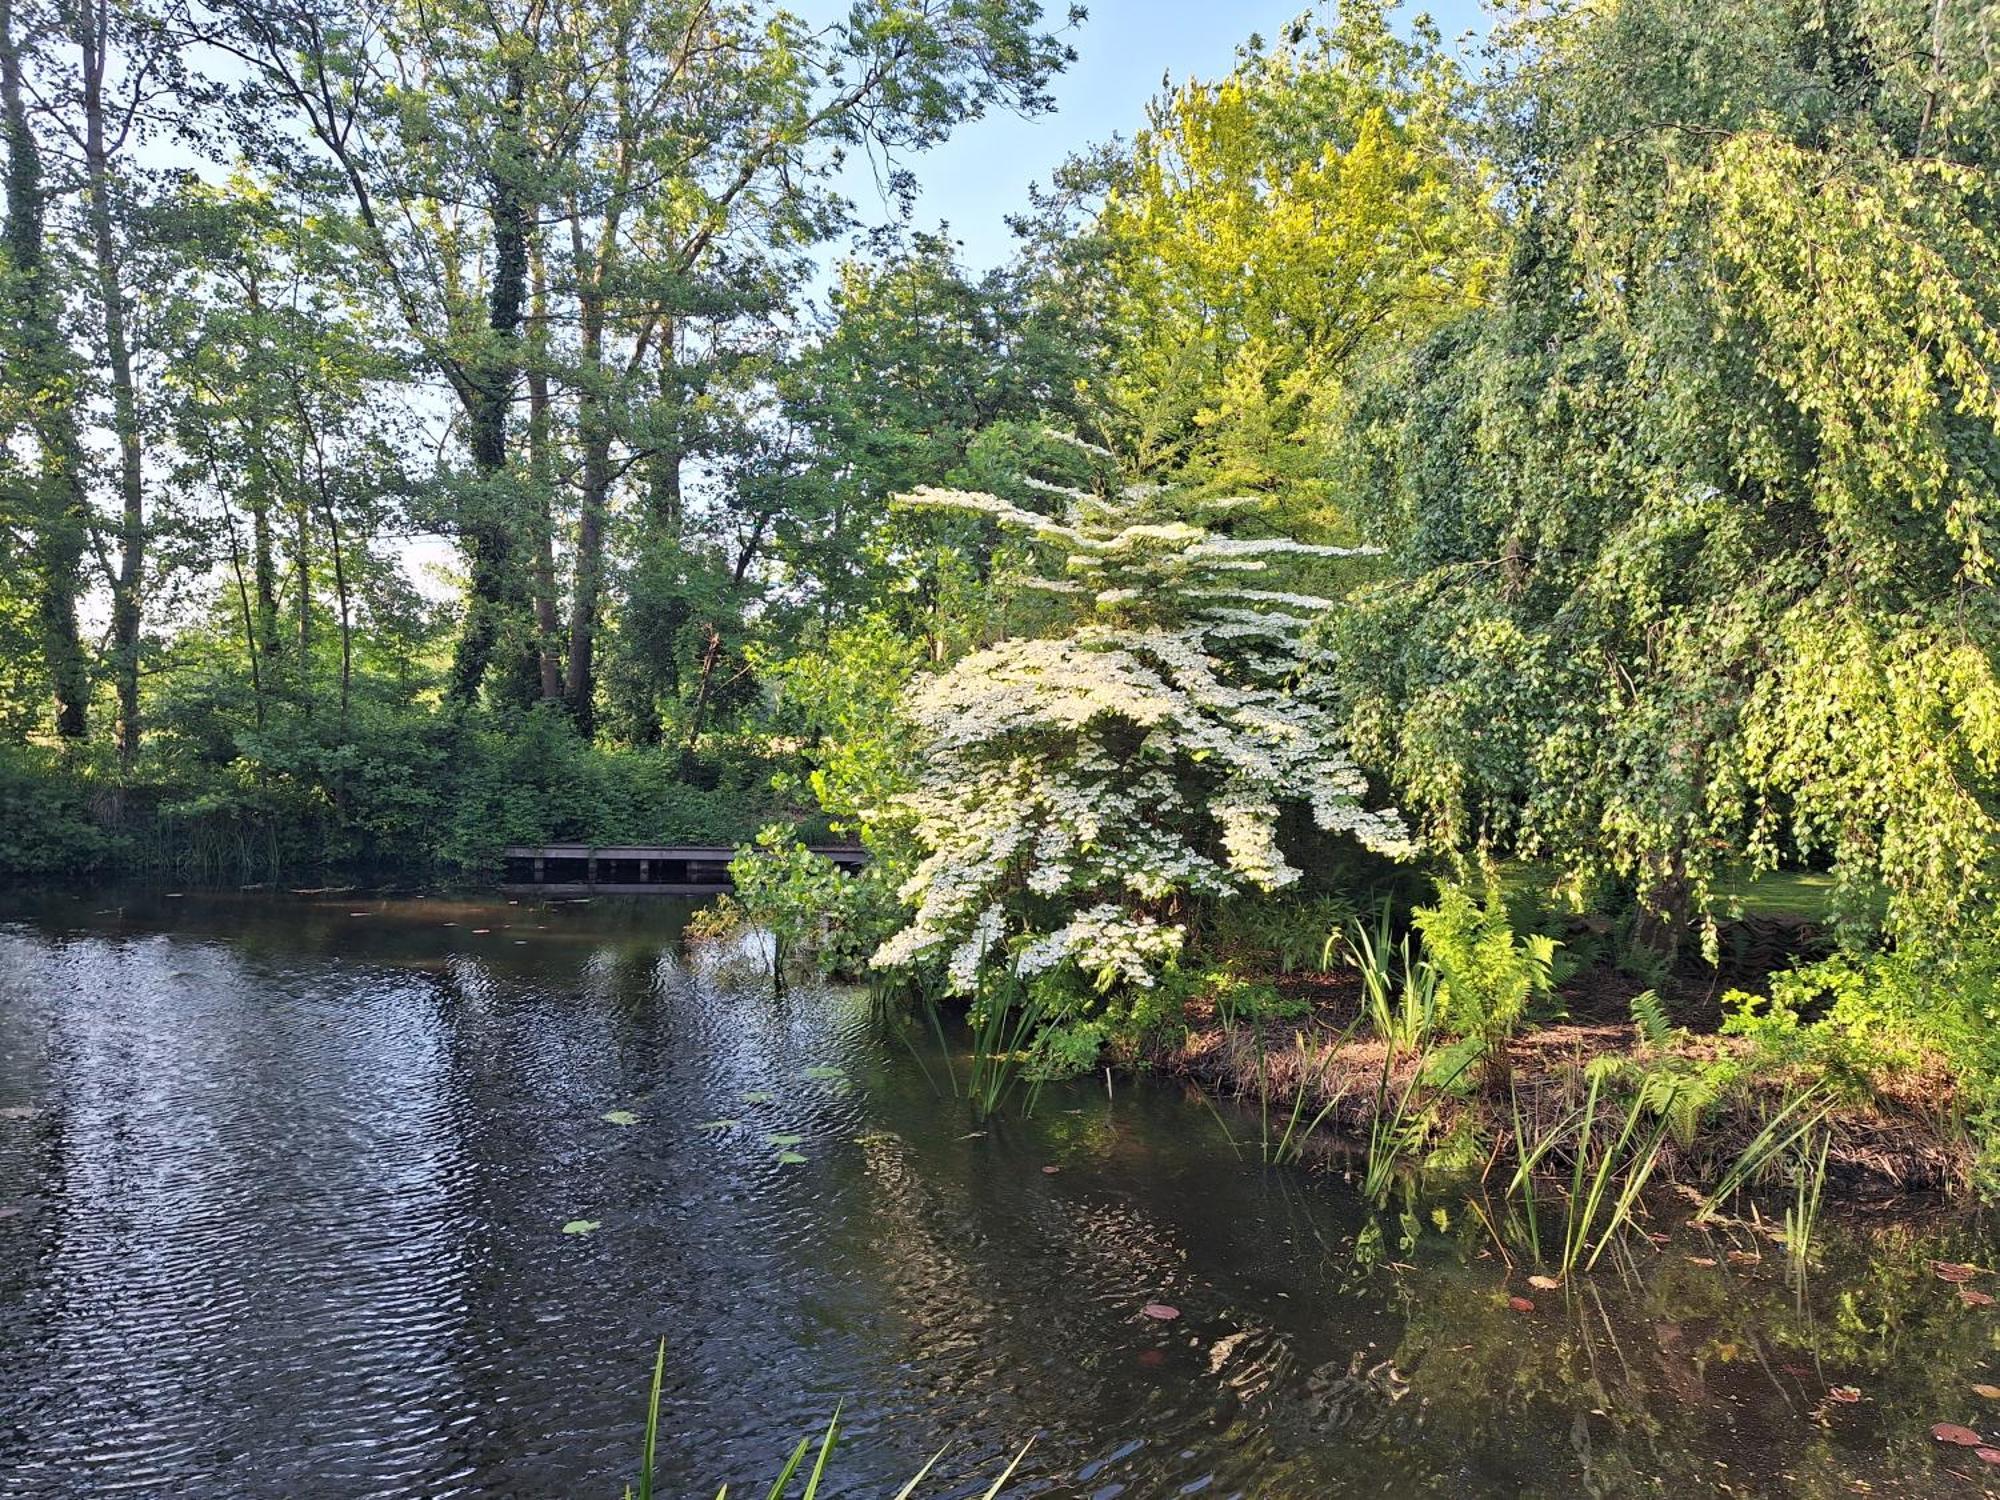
x=284 y=1183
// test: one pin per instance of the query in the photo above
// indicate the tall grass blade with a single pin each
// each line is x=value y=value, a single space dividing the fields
x=918 y=1478
x=651 y=1448
x=1008 y=1473
x=825 y=1452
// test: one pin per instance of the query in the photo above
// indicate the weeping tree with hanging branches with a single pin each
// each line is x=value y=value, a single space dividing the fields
x=1081 y=791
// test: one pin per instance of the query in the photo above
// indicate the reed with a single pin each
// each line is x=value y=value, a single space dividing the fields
x=1802 y=1217
x=1605 y=1182
x=822 y=1460
x=1781 y=1133
x=1400 y=989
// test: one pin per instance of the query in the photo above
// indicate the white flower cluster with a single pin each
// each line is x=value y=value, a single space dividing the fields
x=1073 y=787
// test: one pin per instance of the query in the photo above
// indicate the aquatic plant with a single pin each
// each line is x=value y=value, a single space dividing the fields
x=648 y=1464
x=1400 y=988
x=1605 y=1180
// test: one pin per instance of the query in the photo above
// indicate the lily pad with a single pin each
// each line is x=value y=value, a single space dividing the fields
x=757 y=1096
x=790 y=1159
x=582 y=1226
x=619 y=1117
x=780 y=1138
x=718 y=1124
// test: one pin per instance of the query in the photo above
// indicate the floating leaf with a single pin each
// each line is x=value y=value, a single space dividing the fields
x=619 y=1117
x=481 y=931
x=718 y=1124
x=1160 y=1311
x=781 y=1139
x=757 y=1096
x=582 y=1226
x=790 y=1159
x=824 y=1074
x=1951 y=1432
x=1954 y=1271
x=1543 y=1283
x=1520 y=1304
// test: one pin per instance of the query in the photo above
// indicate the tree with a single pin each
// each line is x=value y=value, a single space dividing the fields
x=1271 y=233
x=1692 y=522
x=1076 y=790
x=684 y=149
x=42 y=399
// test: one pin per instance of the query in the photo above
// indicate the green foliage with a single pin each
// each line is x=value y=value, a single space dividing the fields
x=1487 y=977
x=1892 y=1024
x=807 y=907
x=1691 y=519
x=1401 y=990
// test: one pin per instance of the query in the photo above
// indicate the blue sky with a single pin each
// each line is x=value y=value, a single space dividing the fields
x=1123 y=51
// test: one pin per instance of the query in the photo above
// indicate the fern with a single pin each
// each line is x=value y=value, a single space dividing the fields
x=1651 y=1018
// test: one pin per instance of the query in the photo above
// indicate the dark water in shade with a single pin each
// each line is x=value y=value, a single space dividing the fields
x=282 y=1191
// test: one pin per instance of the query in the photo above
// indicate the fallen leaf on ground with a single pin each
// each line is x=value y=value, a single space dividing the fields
x=1987 y=1455
x=1973 y=1298
x=1701 y=1260
x=1990 y=1392
x=1161 y=1311
x=1847 y=1395
x=1951 y=1432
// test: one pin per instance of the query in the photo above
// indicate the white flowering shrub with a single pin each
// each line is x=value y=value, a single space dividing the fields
x=1075 y=793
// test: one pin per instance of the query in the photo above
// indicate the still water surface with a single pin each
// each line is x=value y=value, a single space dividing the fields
x=283 y=1184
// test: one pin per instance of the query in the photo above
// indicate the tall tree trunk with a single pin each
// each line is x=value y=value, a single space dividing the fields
x=541 y=472
x=93 y=41
x=60 y=512
x=496 y=587
x=594 y=432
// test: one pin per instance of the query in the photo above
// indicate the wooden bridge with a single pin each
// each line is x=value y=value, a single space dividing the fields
x=636 y=869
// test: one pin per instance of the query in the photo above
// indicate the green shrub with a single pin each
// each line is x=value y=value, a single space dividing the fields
x=1870 y=1024
x=1487 y=975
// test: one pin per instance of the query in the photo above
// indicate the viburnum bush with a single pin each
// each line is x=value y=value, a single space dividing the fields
x=1076 y=792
